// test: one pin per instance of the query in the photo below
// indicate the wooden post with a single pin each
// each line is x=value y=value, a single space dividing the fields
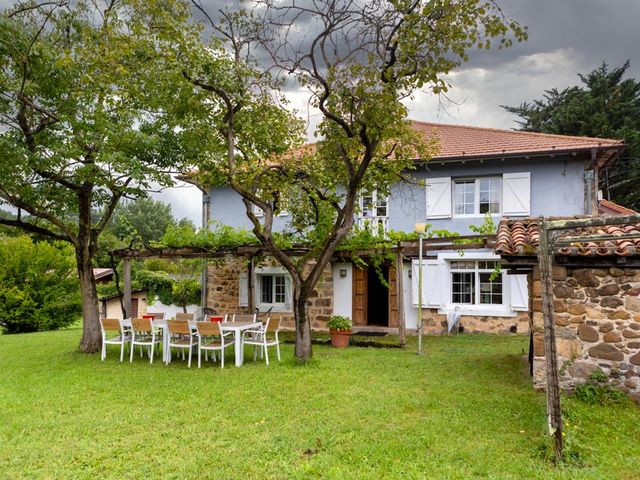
x=554 y=413
x=250 y=285
x=400 y=297
x=126 y=280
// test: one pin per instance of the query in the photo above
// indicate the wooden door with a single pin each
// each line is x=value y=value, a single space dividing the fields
x=393 y=298
x=360 y=287
x=134 y=308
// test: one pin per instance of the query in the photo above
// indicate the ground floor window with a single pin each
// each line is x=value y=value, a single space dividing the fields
x=272 y=288
x=475 y=283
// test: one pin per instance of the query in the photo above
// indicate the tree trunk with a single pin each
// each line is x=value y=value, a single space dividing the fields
x=91 y=336
x=303 y=329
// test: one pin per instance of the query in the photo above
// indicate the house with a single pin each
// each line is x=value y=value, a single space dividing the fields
x=111 y=305
x=103 y=275
x=477 y=172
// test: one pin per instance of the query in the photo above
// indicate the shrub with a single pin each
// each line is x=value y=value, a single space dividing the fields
x=597 y=389
x=39 y=287
x=338 y=322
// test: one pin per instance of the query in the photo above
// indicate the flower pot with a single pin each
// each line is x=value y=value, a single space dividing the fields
x=340 y=338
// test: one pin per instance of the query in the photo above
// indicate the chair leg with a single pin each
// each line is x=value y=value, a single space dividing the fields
x=222 y=358
x=278 y=349
x=104 y=351
x=200 y=355
x=131 y=355
x=121 y=352
x=255 y=352
x=189 y=364
x=266 y=353
x=153 y=344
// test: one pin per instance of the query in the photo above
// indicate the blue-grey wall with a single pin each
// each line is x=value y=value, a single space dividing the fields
x=557 y=189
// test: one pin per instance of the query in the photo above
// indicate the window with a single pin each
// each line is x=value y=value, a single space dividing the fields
x=272 y=289
x=282 y=207
x=471 y=283
x=373 y=205
x=477 y=196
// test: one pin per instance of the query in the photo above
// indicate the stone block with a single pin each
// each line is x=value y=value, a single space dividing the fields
x=634 y=326
x=568 y=348
x=586 y=277
x=633 y=344
x=536 y=289
x=606 y=351
x=628 y=333
x=576 y=309
x=558 y=272
x=577 y=319
x=562 y=291
x=616 y=272
x=562 y=320
x=538 y=345
x=635 y=359
x=632 y=303
x=612 y=337
x=594 y=313
x=619 y=315
x=609 y=289
x=606 y=327
x=611 y=302
x=582 y=369
x=588 y=333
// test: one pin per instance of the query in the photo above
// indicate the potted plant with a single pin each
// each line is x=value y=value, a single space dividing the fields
x=340 y=331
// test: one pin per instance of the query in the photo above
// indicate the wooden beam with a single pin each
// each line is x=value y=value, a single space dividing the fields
x=400 y=297
x=591 y=222
x=126 y=280
x=554 y=412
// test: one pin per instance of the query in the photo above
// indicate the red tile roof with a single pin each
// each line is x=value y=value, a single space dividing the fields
x=607 y=207
x=464 y=141
x=521 y=237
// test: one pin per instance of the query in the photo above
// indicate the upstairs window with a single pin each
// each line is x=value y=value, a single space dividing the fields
x=477 y=196
x=374 y=205
x=471 y=283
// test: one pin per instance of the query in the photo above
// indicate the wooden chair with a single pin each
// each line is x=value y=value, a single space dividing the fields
x=262 y=338
x=242 y=317
x=145 y=335
x=113 y=325
x=184 y=316
x=180 y=336
x=210 y=337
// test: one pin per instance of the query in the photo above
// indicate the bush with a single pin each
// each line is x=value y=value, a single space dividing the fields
x=597 y=389
x=39 y=287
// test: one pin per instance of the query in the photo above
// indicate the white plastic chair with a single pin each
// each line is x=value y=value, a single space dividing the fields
x=180 y=336
x=211 y=338
x=260 y=337
x=144 y=334
x=123 y=337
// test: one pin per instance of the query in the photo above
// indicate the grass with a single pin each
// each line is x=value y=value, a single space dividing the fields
x=465 y=410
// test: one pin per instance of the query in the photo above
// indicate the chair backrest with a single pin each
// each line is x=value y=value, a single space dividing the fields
x=141 y=325
x=157 y=315
x=110 y=324
x=241 y=317
x=272 y=324
x=179 y=326
x=184 y=316
x=208 y=328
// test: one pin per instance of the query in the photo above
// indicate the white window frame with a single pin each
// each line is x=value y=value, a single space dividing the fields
x=273 y=276
x=476 y=198
x=489 y=310
x=476 y=271
x=369 y=218
x=262 y=272
x=258 y=212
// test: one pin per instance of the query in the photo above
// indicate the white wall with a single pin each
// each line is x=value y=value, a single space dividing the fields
x=342 y=290
x=170 y=310
x=410 y=312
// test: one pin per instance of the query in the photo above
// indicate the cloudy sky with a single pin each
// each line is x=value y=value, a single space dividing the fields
x=565 y=37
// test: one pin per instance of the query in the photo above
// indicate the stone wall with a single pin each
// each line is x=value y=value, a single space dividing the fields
x=224 y=284
x=436 y=324
x=597 y=323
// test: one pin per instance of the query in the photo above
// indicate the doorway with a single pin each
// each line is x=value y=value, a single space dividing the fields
x=378 y=296
x=374 y=301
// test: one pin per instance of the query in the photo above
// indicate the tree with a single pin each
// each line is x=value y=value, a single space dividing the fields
x=606 y=105
x=38 y=285
x=76 y=112
x=358 y=62
x=145 y=219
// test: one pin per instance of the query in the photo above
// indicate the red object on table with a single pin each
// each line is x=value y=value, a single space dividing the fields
x=150 y=317
x=216 y=318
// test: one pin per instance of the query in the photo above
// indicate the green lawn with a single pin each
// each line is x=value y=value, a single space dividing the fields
x=465 y=410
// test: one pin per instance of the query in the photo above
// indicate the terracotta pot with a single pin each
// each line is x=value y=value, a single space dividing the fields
x=340 y=338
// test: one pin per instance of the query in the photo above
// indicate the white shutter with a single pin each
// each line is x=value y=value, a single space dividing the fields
x=516 y=194
x=438 y=197
x=243 y=290
x=432 y=283
x=288 y=292
x=519 y=292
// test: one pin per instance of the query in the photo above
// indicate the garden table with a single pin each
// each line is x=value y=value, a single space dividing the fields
x=237 y=328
